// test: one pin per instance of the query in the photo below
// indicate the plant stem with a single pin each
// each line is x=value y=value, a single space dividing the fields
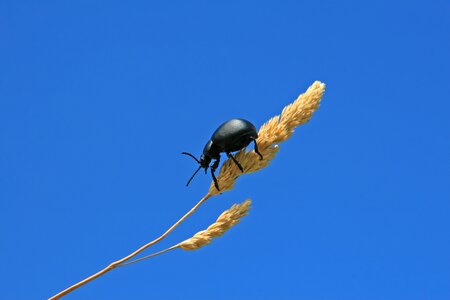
x=118 y=262
x=148 y=256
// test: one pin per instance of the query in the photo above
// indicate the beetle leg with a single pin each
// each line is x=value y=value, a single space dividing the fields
x=213 y=169
x=216 y=184
x=215 y=165
x=256 y=149
x=235 y=161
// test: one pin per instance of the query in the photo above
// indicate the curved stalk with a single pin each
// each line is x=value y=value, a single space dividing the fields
x=136 y=252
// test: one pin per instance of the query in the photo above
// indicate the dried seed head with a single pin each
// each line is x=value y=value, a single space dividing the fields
x=276 y=130
x=226 y=220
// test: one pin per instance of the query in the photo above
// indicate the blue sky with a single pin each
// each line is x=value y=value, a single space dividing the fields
x=98 y=99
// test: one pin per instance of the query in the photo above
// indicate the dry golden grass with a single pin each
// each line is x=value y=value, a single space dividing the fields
x=226 y=220
x=274 y=131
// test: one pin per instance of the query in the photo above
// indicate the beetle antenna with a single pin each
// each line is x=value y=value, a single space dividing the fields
x=186 y=153
x=189 y=181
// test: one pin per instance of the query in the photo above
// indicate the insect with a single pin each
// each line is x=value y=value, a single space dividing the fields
x=231 y=136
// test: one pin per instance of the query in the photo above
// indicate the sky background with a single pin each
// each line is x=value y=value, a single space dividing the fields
x=98 y=99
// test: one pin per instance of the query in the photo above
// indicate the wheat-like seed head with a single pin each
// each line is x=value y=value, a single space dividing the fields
x=276 y=130
x=226 y=220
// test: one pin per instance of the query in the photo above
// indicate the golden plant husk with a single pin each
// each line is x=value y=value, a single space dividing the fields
x=225 y=221
x=276 y=130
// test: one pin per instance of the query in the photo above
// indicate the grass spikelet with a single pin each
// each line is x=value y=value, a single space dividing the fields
x=276 y=130
x=226 y=220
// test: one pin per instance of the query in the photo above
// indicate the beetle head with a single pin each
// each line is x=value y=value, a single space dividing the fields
x=203 y=162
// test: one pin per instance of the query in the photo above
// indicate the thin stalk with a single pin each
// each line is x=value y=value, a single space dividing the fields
x=148 y=256
x=122 y=260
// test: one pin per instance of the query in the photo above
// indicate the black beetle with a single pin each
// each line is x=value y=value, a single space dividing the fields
x=231 y=136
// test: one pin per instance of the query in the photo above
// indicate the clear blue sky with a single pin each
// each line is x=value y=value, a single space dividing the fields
x=98 y=99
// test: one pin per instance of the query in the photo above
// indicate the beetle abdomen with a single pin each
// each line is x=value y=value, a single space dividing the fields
x=234 y=135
